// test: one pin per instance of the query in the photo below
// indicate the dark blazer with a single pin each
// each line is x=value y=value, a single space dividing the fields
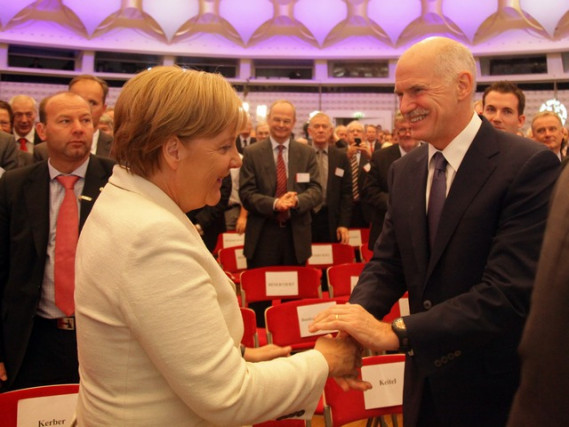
x=469 y=297
x=338 y=190
x=24 y=232
x=542 y=396
x=103 y=148
x=375 y=192
x=240 y=147
x=8 y=151
x=257 y=185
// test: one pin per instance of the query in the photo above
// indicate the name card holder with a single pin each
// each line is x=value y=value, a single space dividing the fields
x=48 y=410
x=281 y=283
x=232 y=239
x=321 y=254
x=387 y=382
x=307 y=313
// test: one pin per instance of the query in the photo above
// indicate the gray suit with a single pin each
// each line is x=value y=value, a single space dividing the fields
x=257 y=185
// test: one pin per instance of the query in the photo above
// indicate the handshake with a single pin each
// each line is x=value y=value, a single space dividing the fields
x=358 y=330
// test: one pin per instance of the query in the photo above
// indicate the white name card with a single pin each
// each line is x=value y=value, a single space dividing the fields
x=355 y=237
x=404 y=307
x=353 y=282
x=233 y=239
x=387 y=383
x=307 y=313
x=281 y=283
x=48 y=410
x=321 y=254
x=240 y=260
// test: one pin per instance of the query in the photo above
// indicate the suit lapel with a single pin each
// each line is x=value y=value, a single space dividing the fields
x=36 y=195
x=269 y=169
x=293 y=164
x=474 y=171
x=417 y=205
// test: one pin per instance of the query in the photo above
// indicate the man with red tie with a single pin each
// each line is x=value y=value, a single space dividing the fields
x=42 y=209
x=24 y=109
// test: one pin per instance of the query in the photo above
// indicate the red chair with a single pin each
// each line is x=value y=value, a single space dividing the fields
x=250 y=336
x=340 y=278
x=9 y=402
x=366 y=253
x=339 y=254
x=228 y=240
x=255 y=287
x=345 y=407
x=232 y=261
x=283 y=326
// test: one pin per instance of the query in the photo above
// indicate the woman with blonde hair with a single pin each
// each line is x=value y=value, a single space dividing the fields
x=159 y=327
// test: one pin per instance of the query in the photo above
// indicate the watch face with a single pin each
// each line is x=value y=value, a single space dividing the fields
x=400 y=324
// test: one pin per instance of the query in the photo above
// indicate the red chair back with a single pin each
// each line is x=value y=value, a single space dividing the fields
x=228 y=240
x=366 y=253
x=228 y=259
x=9 y=400
x=254 y=284
x=250 y=337
x=345 y=407
x=341 y=254
x=283 y=326
x=340 y=278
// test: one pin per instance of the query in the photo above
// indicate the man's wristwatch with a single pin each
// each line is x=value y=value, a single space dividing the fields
x=399 y=328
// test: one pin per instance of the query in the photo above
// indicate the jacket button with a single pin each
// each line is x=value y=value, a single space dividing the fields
x=438 y=363
x=458 y=353
x=427 y=304
x=444 y=359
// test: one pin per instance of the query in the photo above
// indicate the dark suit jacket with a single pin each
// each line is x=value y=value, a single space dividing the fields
x=375 y=192
x=257 y=185
x=338 y=190
x=24 y=232
x=103 y=148
x=469 y=298
x=238 y=143
x=8 y=151
x=542 y=396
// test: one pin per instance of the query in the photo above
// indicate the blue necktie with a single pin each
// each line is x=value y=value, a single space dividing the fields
x=437 y=196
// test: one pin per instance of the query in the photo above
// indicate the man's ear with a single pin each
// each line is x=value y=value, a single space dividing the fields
x=40 y=129
x=464 y=85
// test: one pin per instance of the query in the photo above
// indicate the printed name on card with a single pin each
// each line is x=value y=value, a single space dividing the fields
x=321 y=254
x=281 y=283
x=355 y=237
x=307 y=313
x=48 y=410
x=233 y=239
x=387 y=382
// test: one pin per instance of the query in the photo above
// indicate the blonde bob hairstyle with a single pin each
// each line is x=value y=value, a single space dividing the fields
x=169 y=101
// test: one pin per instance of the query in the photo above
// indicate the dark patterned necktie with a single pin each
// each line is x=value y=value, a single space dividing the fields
x=437 y=196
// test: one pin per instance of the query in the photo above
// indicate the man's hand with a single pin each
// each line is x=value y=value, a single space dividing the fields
x=3 y=375
x=355 y=321
x=286 y=201
x=343 y=235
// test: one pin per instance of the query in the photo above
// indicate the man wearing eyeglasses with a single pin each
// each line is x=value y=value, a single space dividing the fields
x=375 y=191
x=279 y=185
x=24 y=108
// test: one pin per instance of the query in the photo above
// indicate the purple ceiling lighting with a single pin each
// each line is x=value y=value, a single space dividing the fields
x=432 y=21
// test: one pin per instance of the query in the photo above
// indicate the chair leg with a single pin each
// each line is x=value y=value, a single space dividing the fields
x=394 y=420
x=327 y=417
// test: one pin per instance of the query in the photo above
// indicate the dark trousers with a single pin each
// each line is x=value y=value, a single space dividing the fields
x=51 y=357
x=358 y=219
x=275 y=247
x=321 y=226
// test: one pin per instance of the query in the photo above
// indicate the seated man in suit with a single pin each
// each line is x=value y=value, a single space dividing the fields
x=462 y=235
x=38 y=345
x=375 y=192
x=331 y=219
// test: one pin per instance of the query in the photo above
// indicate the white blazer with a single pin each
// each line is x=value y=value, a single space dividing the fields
x=159 y=326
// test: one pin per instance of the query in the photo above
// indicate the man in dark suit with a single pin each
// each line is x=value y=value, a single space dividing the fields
x=37 y=338
x=24 y=109
x=279 y=187
x=244 y=139
x=359 y=155
x=331 y=219
x=375 y=192
x=470 y=269
x=95 y=91
x=8 y=152
x=542 y=398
